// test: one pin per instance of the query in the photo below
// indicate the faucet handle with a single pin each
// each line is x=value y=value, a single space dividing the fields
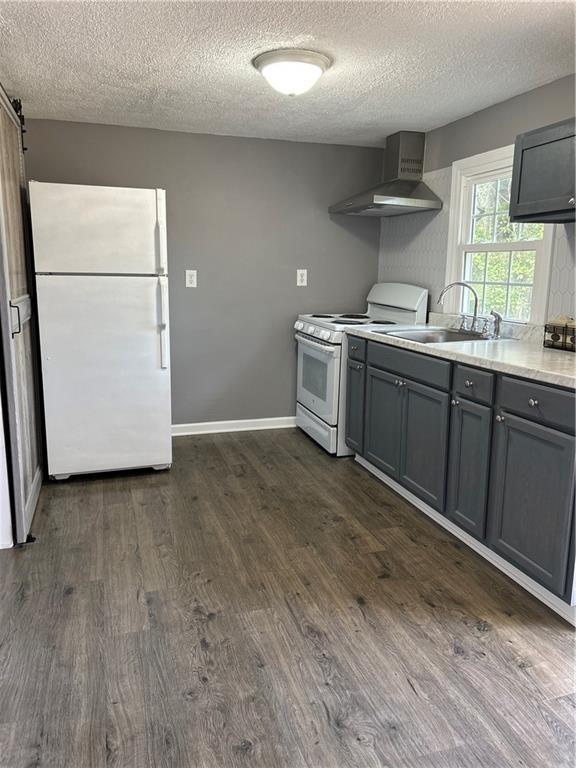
x=497 y=320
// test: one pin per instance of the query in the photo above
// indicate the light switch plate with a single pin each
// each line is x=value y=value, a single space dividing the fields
x=191 y=278
x=301 y=278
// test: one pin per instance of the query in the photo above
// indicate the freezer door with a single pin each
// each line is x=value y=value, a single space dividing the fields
x=98 y=230
x=106 y=374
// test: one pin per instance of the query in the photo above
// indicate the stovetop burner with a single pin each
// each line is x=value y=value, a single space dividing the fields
x=321 y=315
x=354 y=316
x=347 y=322
x=382 y=322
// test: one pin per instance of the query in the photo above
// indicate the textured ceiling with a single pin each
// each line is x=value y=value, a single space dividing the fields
x=187 y=66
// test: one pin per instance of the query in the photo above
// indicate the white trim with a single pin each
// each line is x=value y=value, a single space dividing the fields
x=32 y=502
x=240 y=425
x=567 y=612
x=6 y=540
x=465 y=173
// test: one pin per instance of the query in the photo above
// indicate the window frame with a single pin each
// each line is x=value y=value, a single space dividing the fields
x=465 y=174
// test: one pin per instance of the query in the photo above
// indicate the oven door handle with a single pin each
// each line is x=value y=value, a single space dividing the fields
x=330 y=349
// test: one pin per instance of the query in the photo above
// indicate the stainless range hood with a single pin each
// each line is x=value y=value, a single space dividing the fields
x=402 y=190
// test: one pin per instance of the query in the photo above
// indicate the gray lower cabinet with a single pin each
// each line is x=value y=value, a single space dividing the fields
x=355 y=382
x=532 y=497
x=424 y=442
x=469 y=464
x=406 y=433
x=383 y=418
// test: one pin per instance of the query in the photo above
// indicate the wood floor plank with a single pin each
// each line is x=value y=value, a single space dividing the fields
x=266 y=605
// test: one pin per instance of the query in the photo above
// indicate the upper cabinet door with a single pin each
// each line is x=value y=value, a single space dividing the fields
x=98 y=230
x=543 y=187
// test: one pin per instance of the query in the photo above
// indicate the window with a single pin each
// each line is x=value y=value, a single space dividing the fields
x=507 y=263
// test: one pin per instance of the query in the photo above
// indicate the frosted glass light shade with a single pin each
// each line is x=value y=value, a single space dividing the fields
x=291 y=71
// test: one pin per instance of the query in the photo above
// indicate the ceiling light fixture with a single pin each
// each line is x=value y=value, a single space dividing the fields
x=291 y=71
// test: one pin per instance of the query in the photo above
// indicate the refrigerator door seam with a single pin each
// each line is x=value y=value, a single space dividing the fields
x=103 y=274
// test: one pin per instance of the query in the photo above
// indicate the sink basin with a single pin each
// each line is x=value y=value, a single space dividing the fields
x=438 y=336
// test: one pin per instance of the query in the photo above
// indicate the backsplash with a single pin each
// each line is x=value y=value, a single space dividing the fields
x=413 y=249
x=561 y=298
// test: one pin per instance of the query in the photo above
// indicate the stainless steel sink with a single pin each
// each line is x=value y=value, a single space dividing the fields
x=438 y=336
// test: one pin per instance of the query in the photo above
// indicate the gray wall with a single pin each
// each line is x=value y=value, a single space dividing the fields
x=246 y=213
x=414 y=248
x=498 y=126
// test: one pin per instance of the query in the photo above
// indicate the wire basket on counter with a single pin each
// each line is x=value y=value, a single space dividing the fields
x=560 y=336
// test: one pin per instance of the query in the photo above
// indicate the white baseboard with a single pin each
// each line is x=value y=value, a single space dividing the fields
x=240 y=425
x=568 y=612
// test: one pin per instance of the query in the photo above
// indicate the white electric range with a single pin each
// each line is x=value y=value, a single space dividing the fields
x=323 y=351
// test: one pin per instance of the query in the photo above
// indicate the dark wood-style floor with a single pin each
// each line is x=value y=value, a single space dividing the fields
x=263 y=604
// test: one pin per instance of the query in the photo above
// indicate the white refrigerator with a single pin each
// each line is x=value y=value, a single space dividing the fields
x=102 y=287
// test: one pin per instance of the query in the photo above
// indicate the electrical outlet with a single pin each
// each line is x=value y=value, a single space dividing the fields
x=301 y=277
x=191 y=278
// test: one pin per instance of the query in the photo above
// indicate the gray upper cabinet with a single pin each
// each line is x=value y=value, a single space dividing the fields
x=383 y=421
x=469 y=463
x=424 y=444
x=355 y=382
x=543 y=174
x=532 y=497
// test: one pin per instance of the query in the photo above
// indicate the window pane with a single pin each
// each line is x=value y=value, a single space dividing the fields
x=474 y=269
x=519 y=303
x=523 y=264
x=498 y=267
x=485 y=197
x=468 y=299
x=483 y=229
x=503 y=197
x=505 y=230
x=495 y=299
x=532 y=231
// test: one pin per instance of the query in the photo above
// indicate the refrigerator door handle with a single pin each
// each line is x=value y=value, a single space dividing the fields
x=163 y=321
x=161 y=231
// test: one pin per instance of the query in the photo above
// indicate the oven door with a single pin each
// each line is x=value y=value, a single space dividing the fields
x=318 y=377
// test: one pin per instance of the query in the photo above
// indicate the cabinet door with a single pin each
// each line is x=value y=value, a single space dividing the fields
x=383 y=420
x=470 y=432
x=355 y=380
x=424 y=445
x=543 y=174
x=531 y=501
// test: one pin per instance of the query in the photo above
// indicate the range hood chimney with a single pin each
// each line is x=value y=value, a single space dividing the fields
x=402 y=190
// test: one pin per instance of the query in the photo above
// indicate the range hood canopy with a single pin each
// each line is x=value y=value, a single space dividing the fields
x=402 y=190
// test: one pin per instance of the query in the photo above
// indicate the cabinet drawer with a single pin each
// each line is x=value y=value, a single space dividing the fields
x=538 y=402
x=474 y=384
x=357 y=348
x=428 y=370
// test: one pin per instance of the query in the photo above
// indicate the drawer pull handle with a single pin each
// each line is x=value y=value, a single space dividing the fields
x=354 y=348
x=468 y=383
x=455 y=402
x=401 y=383
x=532 y=403
x=499 y=418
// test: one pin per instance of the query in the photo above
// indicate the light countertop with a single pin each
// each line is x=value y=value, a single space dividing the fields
x=527 y=359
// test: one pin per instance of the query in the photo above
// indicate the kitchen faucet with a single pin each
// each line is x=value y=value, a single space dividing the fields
x=462 y=285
